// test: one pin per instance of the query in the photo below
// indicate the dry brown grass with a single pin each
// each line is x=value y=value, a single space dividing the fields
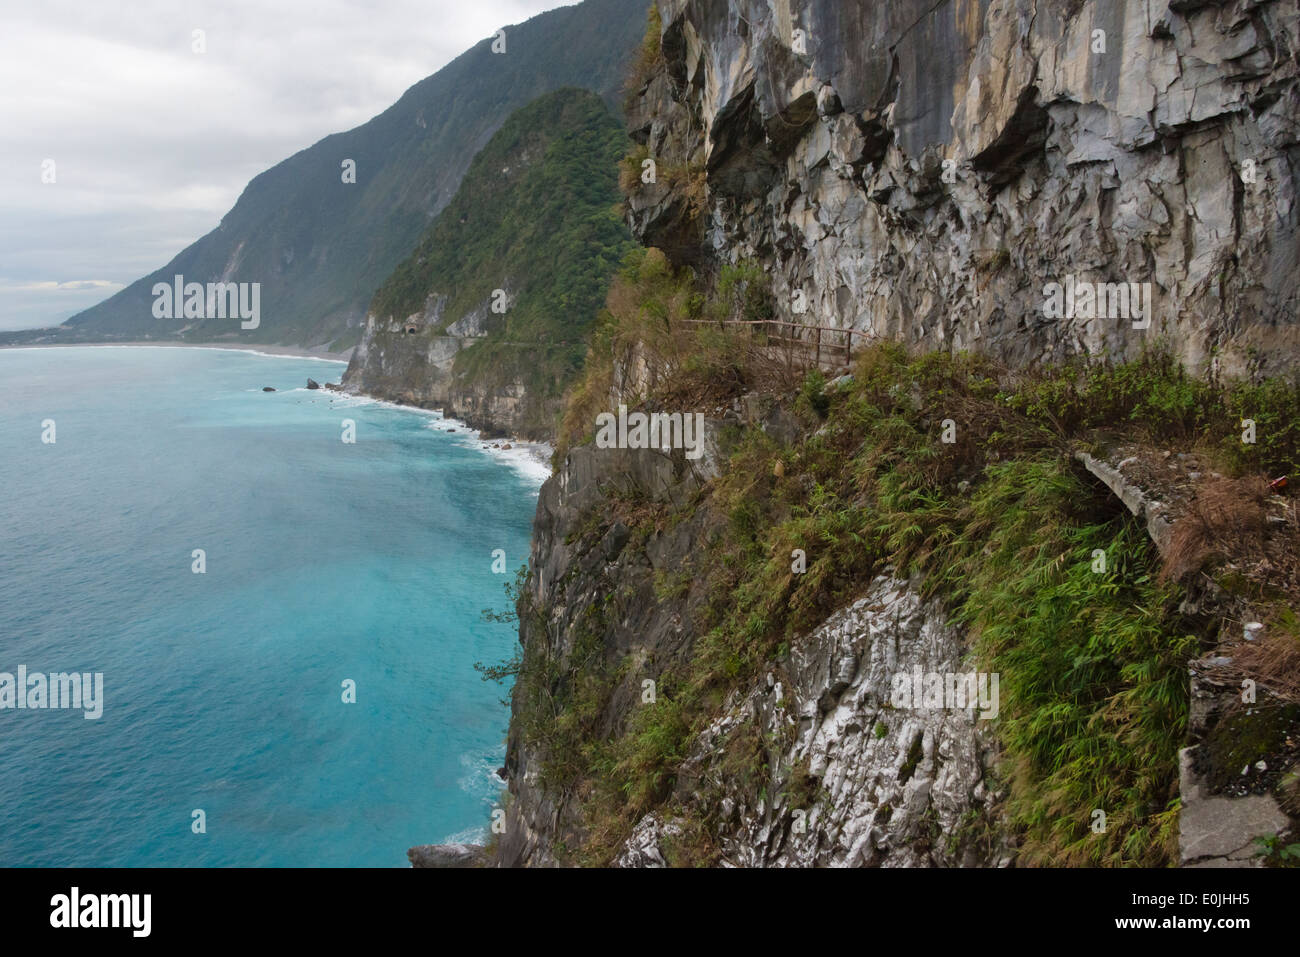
x=720 y=362
x=1228 y=522
x=1228 y=519
x=691 y=183
x=629 y=170
x=651 y=341
x=648 y=59
x=1273 y=662
x=978 y=419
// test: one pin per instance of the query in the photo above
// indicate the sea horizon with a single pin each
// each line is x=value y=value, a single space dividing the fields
x=324 y=562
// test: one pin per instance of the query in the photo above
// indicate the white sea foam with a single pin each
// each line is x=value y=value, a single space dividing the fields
x=471 y=835
x=530 y=459
x=248 y=352
x=482 y=781
x=300 y=388
x=480 y=777
x=350 y=400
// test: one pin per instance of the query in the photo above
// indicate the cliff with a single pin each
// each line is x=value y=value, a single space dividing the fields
x=713 y=645
x=487 y=316
x=711 y=649
x=923 y=170
x=806 y=764
x=318 y=245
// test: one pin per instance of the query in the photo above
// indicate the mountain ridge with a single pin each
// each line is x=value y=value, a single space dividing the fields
x=319 y=246
x=486 y=318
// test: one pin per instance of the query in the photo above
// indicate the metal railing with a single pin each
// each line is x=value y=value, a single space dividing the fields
x=823 y=344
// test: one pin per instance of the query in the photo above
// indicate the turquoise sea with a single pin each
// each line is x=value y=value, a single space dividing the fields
x=223 y=691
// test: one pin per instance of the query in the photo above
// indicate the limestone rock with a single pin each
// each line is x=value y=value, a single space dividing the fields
x=643 y=849
x=881 y=786
x=922 y=171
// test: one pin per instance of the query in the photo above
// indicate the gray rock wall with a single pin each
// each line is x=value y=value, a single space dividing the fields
x=571 y=576
x=897 y=787
x=923 y=170
x=894 y=786
x=418 y=369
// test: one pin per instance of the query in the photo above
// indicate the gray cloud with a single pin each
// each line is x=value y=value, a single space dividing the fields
x=152 y=143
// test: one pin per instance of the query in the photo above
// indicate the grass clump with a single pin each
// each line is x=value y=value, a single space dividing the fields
x=1004 y=526
x=649 y=56
x=1155 y=398
x=650 y=339
x=943 y=467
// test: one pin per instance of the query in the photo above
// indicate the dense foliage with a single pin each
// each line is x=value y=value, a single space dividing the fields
x=1003 y=524
x=319 y=246
x=536 y=217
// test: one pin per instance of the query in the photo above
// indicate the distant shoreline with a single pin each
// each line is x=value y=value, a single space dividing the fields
x=538 y=452
x=289 y=351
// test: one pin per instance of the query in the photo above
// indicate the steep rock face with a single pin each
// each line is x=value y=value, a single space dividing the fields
x=418 y=370
x=485 y=316
x=570 y=583
x=898 y=787
x=923 y=170
x=854 y=781
x=920 y=170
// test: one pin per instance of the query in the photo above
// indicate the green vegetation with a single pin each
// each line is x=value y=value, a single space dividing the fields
x=558 y=703
x=649 y=56
x=1002 y=524
x=1092 y=673
x=1275 y=853
x=1155 y=399
x=320 y=247
x=651 y=309
x=535 y=216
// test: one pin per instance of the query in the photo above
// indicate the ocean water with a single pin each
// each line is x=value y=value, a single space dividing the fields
x=223 y=691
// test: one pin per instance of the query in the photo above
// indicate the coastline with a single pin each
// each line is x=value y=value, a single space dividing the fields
x=511 y=451
x=529 y=457
x=406 y=512
x=296 y=352
x=532 y=458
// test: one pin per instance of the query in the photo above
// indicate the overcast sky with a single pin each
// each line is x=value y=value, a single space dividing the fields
x=152 y=143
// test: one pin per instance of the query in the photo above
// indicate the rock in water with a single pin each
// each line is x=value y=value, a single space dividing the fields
x=267 y=388
x=447 y=855
x=313 y=384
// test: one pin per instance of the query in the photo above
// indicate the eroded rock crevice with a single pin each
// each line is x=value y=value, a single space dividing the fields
x=921 y=170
